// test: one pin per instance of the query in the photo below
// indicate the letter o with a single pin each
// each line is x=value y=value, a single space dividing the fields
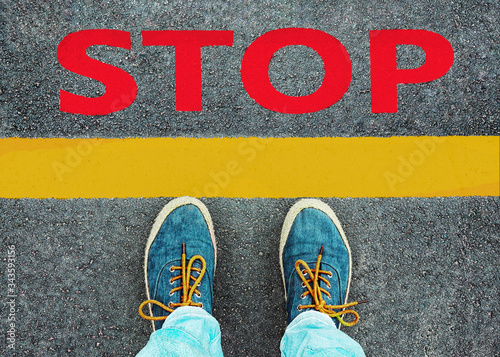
x=84 y=148
x=255 y=70
x=417 y=158
x=211 y=189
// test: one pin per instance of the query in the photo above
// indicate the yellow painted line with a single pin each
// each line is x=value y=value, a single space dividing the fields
x=250 y=167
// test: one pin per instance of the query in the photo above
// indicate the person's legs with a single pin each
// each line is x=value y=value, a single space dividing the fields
x=316 y=264
x=179 y=270
x=313 y=333
x=188 y=331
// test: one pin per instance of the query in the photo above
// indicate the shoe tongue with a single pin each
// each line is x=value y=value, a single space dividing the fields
x=163 y=287
x=296 y=290
x=334 y=280
x=196 y=263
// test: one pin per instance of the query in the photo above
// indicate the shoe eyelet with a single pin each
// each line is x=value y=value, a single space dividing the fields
x=299 y=307
x=198 y=295
x=171 y=269
x=330 y=274
x=302 y=297
x=171 y=293
x=170 y=305
x=171 y=281
x=201 y=305
x=303 y=271
x=303 y=284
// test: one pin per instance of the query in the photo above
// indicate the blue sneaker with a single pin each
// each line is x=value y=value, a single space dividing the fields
x=180 y=260
x=315 y=261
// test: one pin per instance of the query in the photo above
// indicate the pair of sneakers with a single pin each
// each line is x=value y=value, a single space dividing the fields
x=181 y=256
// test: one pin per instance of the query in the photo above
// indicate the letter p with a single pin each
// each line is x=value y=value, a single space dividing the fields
x=385 y=76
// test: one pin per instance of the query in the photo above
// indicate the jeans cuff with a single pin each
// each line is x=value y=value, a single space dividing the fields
x=312 y=314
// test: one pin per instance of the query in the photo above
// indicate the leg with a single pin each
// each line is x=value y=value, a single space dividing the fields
x=313 y=333
x=316 y=264
x=188 y=331
x=179 y=269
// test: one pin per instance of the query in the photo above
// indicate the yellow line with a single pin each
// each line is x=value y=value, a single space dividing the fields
x=250 y=167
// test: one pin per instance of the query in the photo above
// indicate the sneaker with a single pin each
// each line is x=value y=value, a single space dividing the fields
x=315 y=261
x=180 y=260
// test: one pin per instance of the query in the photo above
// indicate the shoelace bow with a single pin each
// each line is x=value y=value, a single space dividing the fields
x=316 y=292
x=187 y=289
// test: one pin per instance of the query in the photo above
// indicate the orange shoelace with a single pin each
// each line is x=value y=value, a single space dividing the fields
x=187 y=289
x=316 y=292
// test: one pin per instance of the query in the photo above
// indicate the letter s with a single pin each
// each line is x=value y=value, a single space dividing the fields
x=121 y=89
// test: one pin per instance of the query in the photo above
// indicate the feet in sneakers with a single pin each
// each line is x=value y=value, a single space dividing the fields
x=180 y=260
x=315 y=262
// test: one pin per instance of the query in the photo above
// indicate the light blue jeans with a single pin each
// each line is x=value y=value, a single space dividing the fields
x=191 y=331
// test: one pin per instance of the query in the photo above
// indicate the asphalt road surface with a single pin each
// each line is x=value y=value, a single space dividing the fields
x=428 y=266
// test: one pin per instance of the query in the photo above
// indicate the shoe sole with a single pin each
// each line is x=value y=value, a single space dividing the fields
x=287 y=226
x=167 y=209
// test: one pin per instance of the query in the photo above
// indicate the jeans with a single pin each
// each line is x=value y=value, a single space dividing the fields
x=191 y=331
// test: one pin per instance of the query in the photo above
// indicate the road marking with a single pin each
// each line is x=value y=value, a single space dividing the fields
x=250 y=167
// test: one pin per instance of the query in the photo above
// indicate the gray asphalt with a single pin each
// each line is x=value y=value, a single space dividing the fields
x=463 y=102
x=428 y=266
